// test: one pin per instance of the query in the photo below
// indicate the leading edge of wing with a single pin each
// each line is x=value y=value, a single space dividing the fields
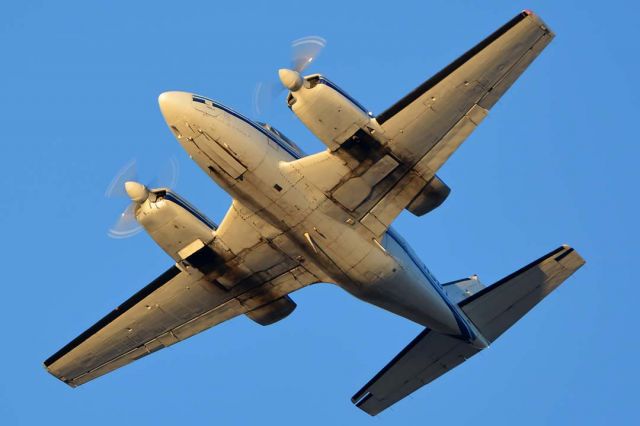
x=418 y=91
x=111 y=316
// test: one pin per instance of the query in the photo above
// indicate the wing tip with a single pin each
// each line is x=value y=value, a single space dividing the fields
x=68 y=382
x=574 y=260
x=528 y=12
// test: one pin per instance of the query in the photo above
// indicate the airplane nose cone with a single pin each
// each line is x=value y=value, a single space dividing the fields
x=164 y=99
x=173 y=104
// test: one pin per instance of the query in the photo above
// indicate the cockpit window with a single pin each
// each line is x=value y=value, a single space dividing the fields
x=282 y=138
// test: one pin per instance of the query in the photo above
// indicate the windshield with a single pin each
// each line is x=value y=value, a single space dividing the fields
x=283 y=138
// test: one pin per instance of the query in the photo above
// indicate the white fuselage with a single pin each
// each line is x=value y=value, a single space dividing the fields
x=265 y=174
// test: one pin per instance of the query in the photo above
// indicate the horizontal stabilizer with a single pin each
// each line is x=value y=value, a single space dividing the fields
x=492 y=310
x=497 y=307
x=426 y=358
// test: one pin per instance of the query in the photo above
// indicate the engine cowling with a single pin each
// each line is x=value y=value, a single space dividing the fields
x=431 y=196
x=273 y=312
x=179 y=229
x=327 y=111
x=187 y=236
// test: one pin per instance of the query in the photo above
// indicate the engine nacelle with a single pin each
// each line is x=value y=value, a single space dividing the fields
x=273 y=312
x=431 y=196
x=179 y=229
x=329 y=112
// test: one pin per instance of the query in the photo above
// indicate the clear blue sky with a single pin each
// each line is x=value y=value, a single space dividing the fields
x=555 y=162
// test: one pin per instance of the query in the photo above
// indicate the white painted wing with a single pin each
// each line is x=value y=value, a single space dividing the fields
x=240 y=274
x=420 y=132
x=172 y=308
x=464 y=90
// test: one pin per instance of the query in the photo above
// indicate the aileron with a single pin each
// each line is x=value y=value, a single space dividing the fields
x=479 y=77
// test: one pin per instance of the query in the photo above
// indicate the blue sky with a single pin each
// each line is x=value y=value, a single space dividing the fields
x=555 y=162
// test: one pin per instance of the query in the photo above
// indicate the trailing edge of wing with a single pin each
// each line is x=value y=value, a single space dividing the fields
x=449 y=69
x=167 y=276
x=174 y=307
x=171 y=308
x=427 y=126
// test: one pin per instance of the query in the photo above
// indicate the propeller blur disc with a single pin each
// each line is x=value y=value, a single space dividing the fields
x=265 y=94
x=126 y=225
x=126 y=173
x=306 y=50
x=168 y=176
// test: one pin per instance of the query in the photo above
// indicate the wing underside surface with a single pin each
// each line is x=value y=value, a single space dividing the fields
x=175 y=306
x=255 y=279
x=422 y=130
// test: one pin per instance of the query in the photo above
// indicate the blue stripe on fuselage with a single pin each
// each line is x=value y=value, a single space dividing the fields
x=462 y=323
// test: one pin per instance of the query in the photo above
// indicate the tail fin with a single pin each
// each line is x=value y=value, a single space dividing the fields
x=492 y=310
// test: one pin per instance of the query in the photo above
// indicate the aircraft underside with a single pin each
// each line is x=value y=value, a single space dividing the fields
x=296 y=220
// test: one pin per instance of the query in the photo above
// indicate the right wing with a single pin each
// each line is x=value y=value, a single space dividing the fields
x=255 y=279
x=398 y=160
x=458 y=97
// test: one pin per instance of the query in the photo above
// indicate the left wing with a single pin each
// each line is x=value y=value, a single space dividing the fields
x=186 y=300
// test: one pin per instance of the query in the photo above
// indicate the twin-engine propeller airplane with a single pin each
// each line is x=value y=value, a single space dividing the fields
x=297 y=220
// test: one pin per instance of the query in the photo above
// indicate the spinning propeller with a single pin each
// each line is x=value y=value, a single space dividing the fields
x=125 y=184
x=304 y=51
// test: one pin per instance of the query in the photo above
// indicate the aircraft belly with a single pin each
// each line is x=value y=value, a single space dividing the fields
x=239 y=159
x=375 y=275
x=404 y=293
x=218 y=156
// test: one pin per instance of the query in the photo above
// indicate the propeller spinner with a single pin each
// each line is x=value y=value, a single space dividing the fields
x=125 y=184
x=304 y=51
